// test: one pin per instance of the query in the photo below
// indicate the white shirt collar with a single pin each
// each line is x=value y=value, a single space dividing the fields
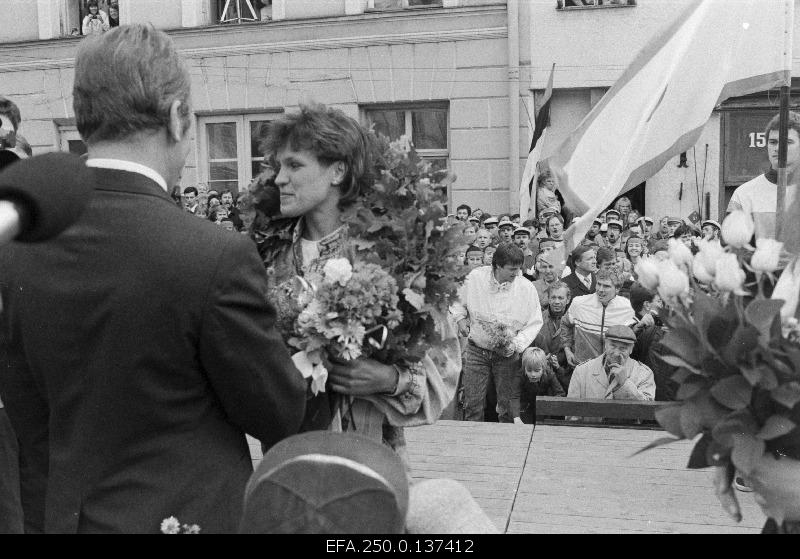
x=131 y=167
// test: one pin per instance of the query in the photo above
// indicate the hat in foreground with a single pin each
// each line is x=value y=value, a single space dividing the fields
x=323 y=482
x=621 y=334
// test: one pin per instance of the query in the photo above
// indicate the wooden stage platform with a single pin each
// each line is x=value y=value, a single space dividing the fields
x=574 y=479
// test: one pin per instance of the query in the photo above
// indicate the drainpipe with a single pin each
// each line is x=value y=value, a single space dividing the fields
x=513 y=105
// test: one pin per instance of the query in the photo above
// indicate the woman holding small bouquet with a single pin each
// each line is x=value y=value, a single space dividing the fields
x=324 y=166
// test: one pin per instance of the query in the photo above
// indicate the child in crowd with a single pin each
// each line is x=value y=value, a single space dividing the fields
x=537 y=379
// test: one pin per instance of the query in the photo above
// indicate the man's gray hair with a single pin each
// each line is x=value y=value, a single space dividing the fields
x=126 y=81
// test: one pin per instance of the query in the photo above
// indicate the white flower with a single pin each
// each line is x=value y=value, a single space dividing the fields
x=338 y=270
x=672 y=280
x=679 y=253
x=737 y=229
x=170 y=526
x=730 y=275
x=766 y=256
x=647 y=270
x=700 y=271
x=416 y=300
x=710 y=252
x=310 y=365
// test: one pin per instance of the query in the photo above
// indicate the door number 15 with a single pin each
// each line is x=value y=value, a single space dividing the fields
x=757 y=139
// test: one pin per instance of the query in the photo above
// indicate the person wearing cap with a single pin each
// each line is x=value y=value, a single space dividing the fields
x=593 y=234
x=582 y=280
x=474 y=221
x=611 y=214
x=646 y=223
x=490 y=224
x=490 y=296
x=711 y=230
x=613 y=375
x=589 y=316
x=505 y=231
x=613 y=238
x=544 y=215
x=522 y=238
x=672 y=224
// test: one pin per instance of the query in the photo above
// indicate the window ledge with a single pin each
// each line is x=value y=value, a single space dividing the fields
x=603 y=7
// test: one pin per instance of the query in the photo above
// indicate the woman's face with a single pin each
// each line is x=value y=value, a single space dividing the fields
x=305 y=184
x=634 y=248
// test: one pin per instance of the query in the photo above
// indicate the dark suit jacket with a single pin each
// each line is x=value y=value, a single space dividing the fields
x=136 y=350
x=577 y=287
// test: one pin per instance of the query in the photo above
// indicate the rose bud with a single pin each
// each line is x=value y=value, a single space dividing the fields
x=710 y=252
x=766 y=256
x=672 y=280
x=679 y=253
x=700 y=271
x=730 y=275
x=647 y=271
x=737 y=229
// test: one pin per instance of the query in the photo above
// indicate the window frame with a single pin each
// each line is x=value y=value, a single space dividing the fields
x=404 y=5
x=561 y=7
x=408 y=108
x=244 y=156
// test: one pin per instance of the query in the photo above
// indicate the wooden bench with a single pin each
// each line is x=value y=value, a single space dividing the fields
x=643 y=411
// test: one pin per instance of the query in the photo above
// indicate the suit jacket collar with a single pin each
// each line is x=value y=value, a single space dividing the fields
x=126 y=181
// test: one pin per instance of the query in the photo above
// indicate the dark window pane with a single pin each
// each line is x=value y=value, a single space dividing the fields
x=221 y=140
x=429 y=128
x=77 y=147
x=257 y=131
x=255 y=168
x=222 y=186
x=389 y=123
x=424 y=2
x=223 y=170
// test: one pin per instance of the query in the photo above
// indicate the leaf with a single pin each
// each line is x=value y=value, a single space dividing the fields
x=747 y=451
x=787 y=394
x=776 y=426
x=736 y=423
x=733 y=392
x=691 y=424
x=684 y=342
x=761 y=313
x=669 y=417
x=656 y=443
x=690 y=386
x=698 y=458
x=676 y=361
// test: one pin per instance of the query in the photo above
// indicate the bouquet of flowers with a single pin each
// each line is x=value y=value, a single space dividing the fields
x=499 y=334
x=347 y=304
x=735 y=350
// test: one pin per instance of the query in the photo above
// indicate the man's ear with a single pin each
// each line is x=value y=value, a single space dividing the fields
x=178 y=126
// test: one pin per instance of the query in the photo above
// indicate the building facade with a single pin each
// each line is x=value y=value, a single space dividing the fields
x=461 y=78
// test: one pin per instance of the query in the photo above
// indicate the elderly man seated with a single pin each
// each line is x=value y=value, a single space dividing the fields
x=613 y=375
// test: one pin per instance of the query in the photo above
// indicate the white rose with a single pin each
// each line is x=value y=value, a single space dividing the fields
x=701 y=273
x=679 y=253
x=672 y=281
x=710 y=252
x=766 y=256
x=338 y=270
x=730 y=275
x=647 y=271
x=737 y=229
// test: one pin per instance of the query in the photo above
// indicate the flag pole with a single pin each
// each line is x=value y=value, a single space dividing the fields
x=783 y=123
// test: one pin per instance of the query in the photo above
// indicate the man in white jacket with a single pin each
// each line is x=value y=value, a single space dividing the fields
x=492 y=299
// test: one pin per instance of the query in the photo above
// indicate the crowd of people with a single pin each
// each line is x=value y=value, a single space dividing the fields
x=576 y=316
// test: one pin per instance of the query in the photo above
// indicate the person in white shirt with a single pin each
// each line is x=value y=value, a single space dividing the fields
x=492 y=298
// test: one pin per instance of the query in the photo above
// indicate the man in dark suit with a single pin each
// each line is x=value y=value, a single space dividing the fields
x=137 y=348
x=582 y=279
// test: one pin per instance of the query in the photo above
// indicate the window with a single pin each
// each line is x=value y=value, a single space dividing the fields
x=73 y=13
x=561 y=4
x=425 y=125
x=399 y=4
x=229 y=152
x=69 y=139
x=243 y=11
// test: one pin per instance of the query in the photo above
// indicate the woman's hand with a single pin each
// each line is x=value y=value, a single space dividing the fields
x=362 y=377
